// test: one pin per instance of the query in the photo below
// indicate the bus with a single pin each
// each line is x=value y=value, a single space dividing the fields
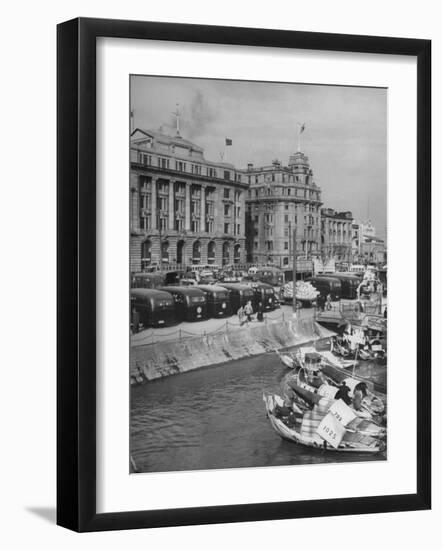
x=190 y=302
x=154 y=307
x=218 y=300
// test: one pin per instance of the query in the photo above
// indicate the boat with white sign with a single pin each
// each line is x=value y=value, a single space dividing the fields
x=328 y=426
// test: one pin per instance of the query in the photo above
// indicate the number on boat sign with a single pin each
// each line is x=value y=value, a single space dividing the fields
x=331 y=430
x=342 y=412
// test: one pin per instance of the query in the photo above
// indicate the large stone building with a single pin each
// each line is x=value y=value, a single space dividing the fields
x=184 y=209
x=367 y=247
x=336 y=235
x=280 y=199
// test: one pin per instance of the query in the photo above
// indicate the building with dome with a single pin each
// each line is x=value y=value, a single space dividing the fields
x=184 y=209
x=280 y=199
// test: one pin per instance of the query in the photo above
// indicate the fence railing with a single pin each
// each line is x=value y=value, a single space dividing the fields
x=153 y=336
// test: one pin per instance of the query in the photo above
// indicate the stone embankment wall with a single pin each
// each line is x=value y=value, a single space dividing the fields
x=166 y=358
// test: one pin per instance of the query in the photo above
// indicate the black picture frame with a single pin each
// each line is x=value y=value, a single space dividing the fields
x=76 y=273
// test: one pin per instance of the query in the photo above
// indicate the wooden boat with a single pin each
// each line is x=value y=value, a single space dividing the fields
x=305 y=427
x=287 y=359
x=339 y=348
x=307 y=387
x=297 y=358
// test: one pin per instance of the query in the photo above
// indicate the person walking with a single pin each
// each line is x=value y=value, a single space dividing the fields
x=248 y=310
x=260 y=314
x=241 y=316
x=328 y=304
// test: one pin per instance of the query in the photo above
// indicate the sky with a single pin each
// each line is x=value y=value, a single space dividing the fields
x=345 y=134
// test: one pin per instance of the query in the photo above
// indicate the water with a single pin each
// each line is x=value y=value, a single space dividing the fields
x=215 y=418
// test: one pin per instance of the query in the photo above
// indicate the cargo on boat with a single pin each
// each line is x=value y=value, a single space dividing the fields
x=330 y=425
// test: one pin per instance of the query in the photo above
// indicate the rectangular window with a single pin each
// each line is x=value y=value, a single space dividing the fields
x=226 y=228
x=226 y=210
x=226 y=193
x=286 y=245
x=226 y=175
x=286 y=218
x=145 y=222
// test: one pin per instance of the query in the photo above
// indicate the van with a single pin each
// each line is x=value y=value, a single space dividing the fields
x=327 y=285
x=190 y=302
x=147 y=280
x=218 y=300
x=265 y=294
x=355 y=268
x=154 y=307
x=239 y=294
x=349 y=285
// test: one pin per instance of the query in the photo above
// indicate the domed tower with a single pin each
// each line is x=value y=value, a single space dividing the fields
x=300 y=166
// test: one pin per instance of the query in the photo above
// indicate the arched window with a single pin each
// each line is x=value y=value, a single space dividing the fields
x=180 y=252
x=237 y=254
x=165 y=251
x=146 y=253
x=226 y=252
x=211 y=248
x=196 y=252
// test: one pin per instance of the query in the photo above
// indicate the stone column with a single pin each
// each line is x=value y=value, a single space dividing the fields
x=187 y=225
x=153 y=205
x=171 y=204
x=134 y=203
x=203 y=209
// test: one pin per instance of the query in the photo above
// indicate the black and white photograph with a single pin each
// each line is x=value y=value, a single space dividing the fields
x=258 y=269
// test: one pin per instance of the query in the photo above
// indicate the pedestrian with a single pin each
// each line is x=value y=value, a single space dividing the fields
x=248 y=310
x=260 y=314
x=343 y=393
x=241 y=316
x=385 y=312
x=328 y=304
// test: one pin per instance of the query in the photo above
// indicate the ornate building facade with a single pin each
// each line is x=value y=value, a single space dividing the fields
x=336 y=235
x=280 y=199
x=184 y=209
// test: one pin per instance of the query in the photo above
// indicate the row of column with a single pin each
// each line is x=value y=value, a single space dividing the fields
x=187 y=199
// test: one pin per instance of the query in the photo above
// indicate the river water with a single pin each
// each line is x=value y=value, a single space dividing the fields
x=215 y=418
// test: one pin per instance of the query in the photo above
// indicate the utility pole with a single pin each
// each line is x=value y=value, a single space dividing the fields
x=294 y=273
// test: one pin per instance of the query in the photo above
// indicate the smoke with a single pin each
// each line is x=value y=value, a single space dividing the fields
x=198 y=115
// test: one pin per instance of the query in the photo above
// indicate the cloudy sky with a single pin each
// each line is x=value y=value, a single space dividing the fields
x=345 y=133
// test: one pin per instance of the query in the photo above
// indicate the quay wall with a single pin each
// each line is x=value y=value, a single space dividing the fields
x=162 y=359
